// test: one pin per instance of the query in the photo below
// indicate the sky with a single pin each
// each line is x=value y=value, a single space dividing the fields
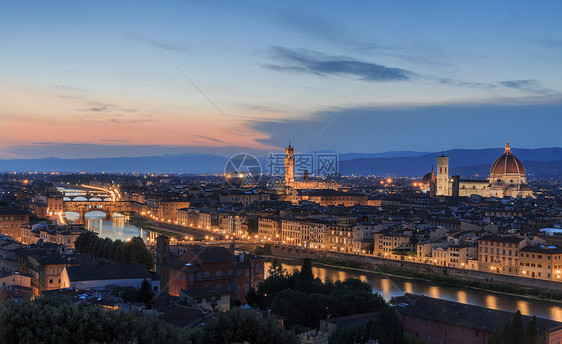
x=134 y=78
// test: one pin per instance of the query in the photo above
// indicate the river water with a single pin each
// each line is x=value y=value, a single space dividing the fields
x=395 y=286
x=115 y=228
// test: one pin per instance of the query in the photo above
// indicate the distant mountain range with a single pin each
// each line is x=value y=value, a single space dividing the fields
x=464 y=162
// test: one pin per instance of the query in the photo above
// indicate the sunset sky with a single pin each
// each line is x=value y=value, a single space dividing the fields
x=116 y=78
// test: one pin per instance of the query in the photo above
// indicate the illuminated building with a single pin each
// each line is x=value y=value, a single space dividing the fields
x=507 y=179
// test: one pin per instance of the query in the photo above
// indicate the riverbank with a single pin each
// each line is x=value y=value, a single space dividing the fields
x=499 y=288
x=173 y=231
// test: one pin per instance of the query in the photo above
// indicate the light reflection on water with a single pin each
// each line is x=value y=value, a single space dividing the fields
x=395 y=286
x=115 y=228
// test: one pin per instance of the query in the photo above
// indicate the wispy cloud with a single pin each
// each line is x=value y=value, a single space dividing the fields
x=116 y=141
x=469 y=84
x=306 y=61
x=532 y=86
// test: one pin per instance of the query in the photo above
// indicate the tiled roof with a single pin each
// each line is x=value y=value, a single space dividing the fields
x=460 y=314
x=107 y=272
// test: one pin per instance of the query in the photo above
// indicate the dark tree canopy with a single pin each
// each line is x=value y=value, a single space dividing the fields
x=131 y=252
x=47 y=320
x=304 y=300
x=514 y=332
x=242 y=325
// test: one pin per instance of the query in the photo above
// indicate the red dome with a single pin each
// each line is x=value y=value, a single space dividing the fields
x=507 y=163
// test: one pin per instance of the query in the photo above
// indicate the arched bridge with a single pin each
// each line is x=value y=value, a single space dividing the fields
x=108 y=207
x=88 y=197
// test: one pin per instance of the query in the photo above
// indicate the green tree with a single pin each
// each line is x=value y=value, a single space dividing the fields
x=106 y=247
x=517 y=329
x=532 y=334
x=46 y=320
x=242 y=325
x=290 y=303
x=252 y=225
x=276 y=270
x=139 y=254
x=146 y=294
x=305 y=278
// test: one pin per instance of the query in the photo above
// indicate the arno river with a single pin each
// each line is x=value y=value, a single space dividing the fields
x=118 y=228
x=394 y=286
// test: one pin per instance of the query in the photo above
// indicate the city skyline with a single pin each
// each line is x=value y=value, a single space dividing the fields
x=193 y=77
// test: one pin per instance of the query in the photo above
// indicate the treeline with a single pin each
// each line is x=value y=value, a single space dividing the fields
x=240 y=325
x=132 y=251
x=514 y=332
x=47 y=320
x=305 y=300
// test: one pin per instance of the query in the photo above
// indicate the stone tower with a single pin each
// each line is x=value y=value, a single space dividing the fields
x=289 y=165
x=442 y=176
x=163 y=262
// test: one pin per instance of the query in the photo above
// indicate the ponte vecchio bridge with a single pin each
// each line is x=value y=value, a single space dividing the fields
x=107 y=207
x=83 y=199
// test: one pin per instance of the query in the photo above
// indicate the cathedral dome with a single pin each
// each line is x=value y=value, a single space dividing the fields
x=507 y=165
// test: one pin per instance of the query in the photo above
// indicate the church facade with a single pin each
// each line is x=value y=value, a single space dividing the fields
x=507 y=179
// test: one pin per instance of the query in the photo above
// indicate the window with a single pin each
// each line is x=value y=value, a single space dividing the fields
x=206 y=274
x=191 y=277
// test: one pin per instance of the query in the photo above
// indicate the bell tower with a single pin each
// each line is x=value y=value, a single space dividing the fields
x=443 y=176
x=289 y=165
x=162 y=262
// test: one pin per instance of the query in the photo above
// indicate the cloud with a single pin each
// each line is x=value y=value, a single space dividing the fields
x=213 y=139
x=461 y=83
x=532 y=86
x=108 y=140
x=305 y=61
x=120 y=119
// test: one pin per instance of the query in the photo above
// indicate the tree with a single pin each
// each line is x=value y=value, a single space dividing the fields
x=290 y=303
x=146 y=294
x=532 y=334
x=242 y=325
x=252 y=225
x=139 y=254
x=276 y=270
x=106 y=247
x=46 y=320
x=517 y=329
x=305 y=278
